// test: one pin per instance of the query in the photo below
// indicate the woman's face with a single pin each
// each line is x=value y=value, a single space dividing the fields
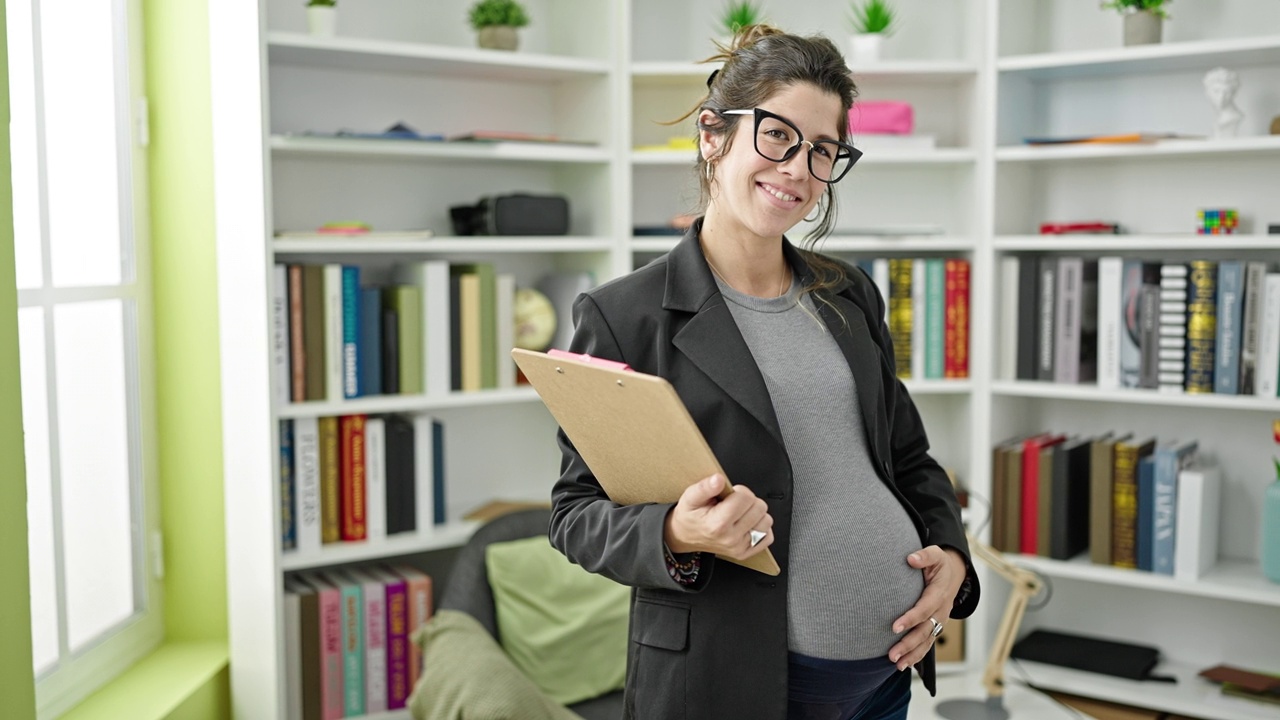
x=759 y=196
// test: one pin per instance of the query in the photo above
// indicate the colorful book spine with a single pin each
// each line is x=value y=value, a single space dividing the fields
x=1124 y=506
x=297 y=346
x=351 y=317
x=418 y=587
x=306 y=440
x=398 y=682
x=1143 y=527
x=900 y=314
x=375 y=640
x=352 y=478
x=1226 y=367
x=330 y=480
x=353 y=653
x=935 y=318
x=1202 y=327
x=920 y=321
x=1030 y=525
x=330 y=647
x=1170 y=460
x=288 y=488
x=956 y=330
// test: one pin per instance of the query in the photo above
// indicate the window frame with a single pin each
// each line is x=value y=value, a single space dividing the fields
x=76 y=675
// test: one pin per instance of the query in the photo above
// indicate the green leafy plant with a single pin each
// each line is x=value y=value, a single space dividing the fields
x=321 y=3
x=1155 y=7
x=873 y=17
x=487 y=13
x=738 y=15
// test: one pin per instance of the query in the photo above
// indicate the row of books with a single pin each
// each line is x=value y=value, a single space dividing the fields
x=354 y=478
x=927 y=306
x=348 y=647
x=1131 y=502
x=434 y=327
x=1199 y=327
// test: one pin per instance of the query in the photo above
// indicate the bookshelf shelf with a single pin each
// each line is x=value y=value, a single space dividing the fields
x=437 y=538
x=408 y=403
x=1128 y=396
x=1157 y=58
x=1191 y=695
x=1144 y=151
x=1235 y=580
x=285 y=145
x=425 y=245
x=367 y=55
x=1112 y=244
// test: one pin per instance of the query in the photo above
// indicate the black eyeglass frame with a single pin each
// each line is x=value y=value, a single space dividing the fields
x=760 y=114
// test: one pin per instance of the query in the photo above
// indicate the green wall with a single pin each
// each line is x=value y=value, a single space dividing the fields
x=17 y=686
x=184 y=276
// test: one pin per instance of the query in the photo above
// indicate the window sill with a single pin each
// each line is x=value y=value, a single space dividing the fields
x=161 y=685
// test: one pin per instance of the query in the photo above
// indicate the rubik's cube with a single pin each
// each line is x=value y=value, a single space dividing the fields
x=1217 y=222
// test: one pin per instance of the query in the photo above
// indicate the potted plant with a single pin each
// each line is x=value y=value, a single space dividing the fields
x=322 y=17
x=737 y=15
x=871 y=21
x=496 y=22
x=1143 y=19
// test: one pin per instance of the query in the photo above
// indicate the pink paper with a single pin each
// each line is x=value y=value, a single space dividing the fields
x=881 y=117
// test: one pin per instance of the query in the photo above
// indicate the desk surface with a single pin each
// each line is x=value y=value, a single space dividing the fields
x=1022 y=702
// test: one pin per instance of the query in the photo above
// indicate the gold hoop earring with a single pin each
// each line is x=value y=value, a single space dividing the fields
x=708 y=171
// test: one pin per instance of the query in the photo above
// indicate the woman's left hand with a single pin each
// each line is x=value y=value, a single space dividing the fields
x=944 y=573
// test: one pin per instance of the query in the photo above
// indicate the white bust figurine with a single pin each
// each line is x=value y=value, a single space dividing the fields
x=1221 y=84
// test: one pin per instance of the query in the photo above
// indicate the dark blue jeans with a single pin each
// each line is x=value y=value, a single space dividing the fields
x=821 y=692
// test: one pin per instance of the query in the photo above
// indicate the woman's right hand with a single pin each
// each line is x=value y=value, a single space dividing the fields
x=703 y=521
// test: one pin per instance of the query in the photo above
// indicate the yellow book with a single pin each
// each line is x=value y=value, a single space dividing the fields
x=330 y=502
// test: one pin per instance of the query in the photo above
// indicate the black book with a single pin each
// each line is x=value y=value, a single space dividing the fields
x=1069 y=523
x=455 y=331
x=400 y=462
x=390 y=351
x=1028 y=303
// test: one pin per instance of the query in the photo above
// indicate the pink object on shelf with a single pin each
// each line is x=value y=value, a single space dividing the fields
x=889 y=117
x=582 y=357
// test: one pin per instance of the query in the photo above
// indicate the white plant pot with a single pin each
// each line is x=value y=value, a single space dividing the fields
x=1142 y=28
x=864 y=49
x=322 y=20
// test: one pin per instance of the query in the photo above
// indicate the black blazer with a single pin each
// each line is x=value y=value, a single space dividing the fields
x=718 y=649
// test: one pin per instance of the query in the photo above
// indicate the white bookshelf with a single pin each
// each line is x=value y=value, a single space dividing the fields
x=982 y=74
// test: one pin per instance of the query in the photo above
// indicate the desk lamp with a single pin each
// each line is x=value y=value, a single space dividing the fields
x=1026 y=585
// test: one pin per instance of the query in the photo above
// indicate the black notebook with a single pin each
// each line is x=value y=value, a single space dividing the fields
x=1108 y=657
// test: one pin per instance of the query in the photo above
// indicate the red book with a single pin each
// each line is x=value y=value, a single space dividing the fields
x=352 y=480
x=956 y=330
x=1030 y=489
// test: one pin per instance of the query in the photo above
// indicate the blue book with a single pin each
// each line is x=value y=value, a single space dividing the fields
x=439 y=516
x=369 y=351
x=350 y=331
x=288 y=487
x=1146 y=506
x=1170 y=459
x=1226 y=375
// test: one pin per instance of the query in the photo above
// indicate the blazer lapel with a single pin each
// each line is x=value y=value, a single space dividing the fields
x=860 y=352
x=710 y=339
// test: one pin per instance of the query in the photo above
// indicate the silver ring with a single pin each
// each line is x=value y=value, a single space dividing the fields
x=937 y=628
x=756 y=537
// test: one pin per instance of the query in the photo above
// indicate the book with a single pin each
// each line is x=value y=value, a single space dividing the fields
x=306 y=440
x=288 y=488
x=281 y=372
x=1202 y=326
x=505 y=321
x=311 y=667
x=1031 y=466
x=480 y=339
x=351 y=331
x=956 y=333
x=901 y=314
x=1199 y=509
x=352 y=482
x=297 y=346
x=1226 y=367
x=1013 y=499
x=375 y=474
x=369 y=348
x=920 y=317
x=1149 y=325
x=353 y=653
x=1069 y=508
x=439 y=508
x=1268 y=366
x=423 y=468
x=1174 y=284
x=400 y=475
x=328 y=600
x=1007 y=349
x=374 y=597
x=396 y=593
x=1109 y=139
x=421 y=607
x=1170 y=460
x=1255 y=274
x=1143 y=523
x=1046 y=351
x=1066 y=320
x=431 y=277
x=333 y=333
x=390 y=347
x=313 y=332
x=1045 y=499
x=1110 y=321
x=330 y=481
x=406 y=301
x=1102 y=459
x=1124 y=506
x=1028 y=319
x=292 y=614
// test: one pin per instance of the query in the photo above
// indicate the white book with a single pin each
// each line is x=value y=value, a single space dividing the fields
x=918 y=319
x=293 y=650
x=1255 y=277
x=1195 y=549
x=423 y=464
x=505 y=318
x=375 y=640
x=1269 y=338
x=1007 y=357
x=306 y=471
x=333 y=332
x=280 y=375
x=880 y=274
x=431 y=277
x=375 y=478
x=1066 y=320
x=1110 y=320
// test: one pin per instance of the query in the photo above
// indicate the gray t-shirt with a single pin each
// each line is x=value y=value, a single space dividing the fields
x=850 y=537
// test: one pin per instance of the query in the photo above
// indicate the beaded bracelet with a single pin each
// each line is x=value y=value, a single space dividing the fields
x=684 y=572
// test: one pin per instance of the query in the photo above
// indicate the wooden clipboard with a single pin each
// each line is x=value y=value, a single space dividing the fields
x=632 y=430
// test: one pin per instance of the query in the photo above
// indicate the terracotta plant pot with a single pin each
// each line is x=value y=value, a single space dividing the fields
x=1142 y=28
x=498 y=37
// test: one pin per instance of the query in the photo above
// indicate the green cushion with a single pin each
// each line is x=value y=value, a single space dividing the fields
x=563 y=626
x=466 y=675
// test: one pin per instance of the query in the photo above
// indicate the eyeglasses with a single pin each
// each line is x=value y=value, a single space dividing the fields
x=778 y=139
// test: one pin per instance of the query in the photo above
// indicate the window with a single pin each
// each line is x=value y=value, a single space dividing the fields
x=84 y=328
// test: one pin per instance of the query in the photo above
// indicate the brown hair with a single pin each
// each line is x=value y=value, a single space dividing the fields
x=759 y=62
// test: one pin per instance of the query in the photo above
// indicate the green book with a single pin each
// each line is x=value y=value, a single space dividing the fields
x=407 y=302
x=934 y=316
